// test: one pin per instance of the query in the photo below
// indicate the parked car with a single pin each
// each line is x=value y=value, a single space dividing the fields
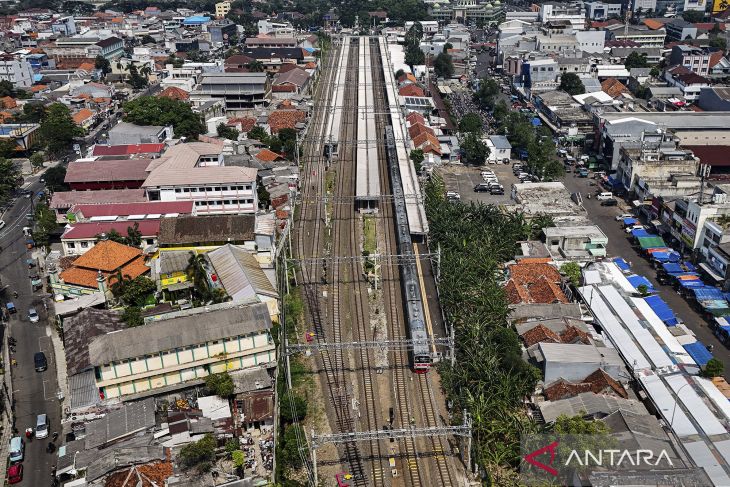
x=33 y=315
x=622 y=216
x=497 y=190
x=41 y=426
x=16 y=450
x=605 y=195
x=11 y=308
x=582 y=172
x=453 y=196
x=610 y=202
x=630 y=228
x=481 y=188
x=39 y=359
x=15 y=473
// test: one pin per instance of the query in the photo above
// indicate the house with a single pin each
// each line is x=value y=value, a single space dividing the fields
x=122 y=211
x=93 y=90
x=693 y=58
x=240 y=91
x=293 y=81
x=576 y=243
x=79 y=238
x=174 y=351
x=84 y=118
x=195 y=171
x=500 y=149
x=19 y=73
x=107 y=174
x=175 y=93
x=125 y=133
x=207 y=232
x=613 y=87
x=62 y=201
x=94 y=270
x=128 y=150
x=588 y=404
x=575 y=361
x=286 y=118
x=109 y=48
x=598 y=382
x=687 y=81
x=534 y=281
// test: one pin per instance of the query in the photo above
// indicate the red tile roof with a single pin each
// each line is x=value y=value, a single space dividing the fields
x=67 y=199
x=88 y=230
x=107 y=257
x=267 y=155
x=247 y=123
x=613 y=87
x=415 y=117
x=121 y=150
x=427 y=143
x=411 y=90
x=8 y=102
x=540 y=334
x=106 y=171
x=280 y=119
x=417 y=129
x=82 y=115
x=539 y=282
x=653 y=24
x=175 y=93
x=598 y=382
x=715 y=57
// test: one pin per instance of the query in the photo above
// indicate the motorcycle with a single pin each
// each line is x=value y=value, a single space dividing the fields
x=50 y=448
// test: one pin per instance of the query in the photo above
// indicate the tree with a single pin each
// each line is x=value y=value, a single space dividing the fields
x=8 y=148
x=475 y=152
x=643 y=289
x=293 y=407
x=576 y=425
x=718 y=43
x=45 y=224
x=154 y=110
x=103 y=63
x=572 y=271
x=289 y=452
x=258 y=133
x=135 y=79
x=399 y=73
x=58 y=129
x=713 y=368
x=414 y=35
x=654 y=72
x=132 y=292
x=288 y=138
x=571 y=84
x=256 y=66
x=7 y=89
x=33 y=112
x=199 y=454
x=487 y=93
x=196 y=271
x=443 y=66
x=134 y=236
x=148 y=39
x=636 y=60
x=263 y=196
x=414 y=56
x=37 y=159
x=470 y=123
x=9 y=179
x=175 y=61
x=417 y=159
x=132 y=316
x=447 y=46
x=55 y=177
x=693 y=16
x=500 y=111
x=227 y=132
x=220 y=384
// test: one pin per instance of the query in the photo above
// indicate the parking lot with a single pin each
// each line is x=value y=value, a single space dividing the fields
x=462 y=179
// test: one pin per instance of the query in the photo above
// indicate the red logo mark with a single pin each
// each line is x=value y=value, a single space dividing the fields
x=530 y=458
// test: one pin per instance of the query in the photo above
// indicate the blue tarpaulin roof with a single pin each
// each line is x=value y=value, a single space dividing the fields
x=672 y=267
x=613 y=181
x=666 y=256
x=640 y=232
x=630 y=221
x=699 y=353
x=707 y=293
x=622 y=264
x=690 y=283
x=637 y=280
x=689 y=266
x=536 y=122
x=662 y=310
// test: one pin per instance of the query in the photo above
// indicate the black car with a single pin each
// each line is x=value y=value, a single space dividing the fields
x=497 y=191
x=39 y=359
x=610 y=202
x=481 y=188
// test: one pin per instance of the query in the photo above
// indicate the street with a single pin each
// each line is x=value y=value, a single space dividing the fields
x=619 y=246
x=34 y=392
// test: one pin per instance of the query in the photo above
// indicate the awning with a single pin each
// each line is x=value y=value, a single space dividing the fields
x=637 y=280
x=640 y=232
x=665 y=256
x=651 y=242
x=690 y=283
x=711 y=272
x=662 y=310
x=699 y=353
x=621 y=263
x=630 y=221
x=177 y=286
x=672 y=267
x=707 y=293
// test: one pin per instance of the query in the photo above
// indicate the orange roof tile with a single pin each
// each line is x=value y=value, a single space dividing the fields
x=613 y=87
x=38 y=88
x=419 y=128
x=8 y=102
x=411 y=90
x=175 y=93
x=107 y=256
x=540 y=334
x=427 y=142
x=540 y=281
x=653 y=24
x=4 y=116
x=87 y=67
x=280 y=119
x=715 y=57
x=82 y=115
x=267 y=155
x=415 y=117
x=310 y=65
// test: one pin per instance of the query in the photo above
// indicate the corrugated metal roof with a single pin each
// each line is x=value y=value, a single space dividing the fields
x=240 y=273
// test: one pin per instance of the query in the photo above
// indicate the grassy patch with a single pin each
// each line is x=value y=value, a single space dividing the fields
x=370 y=244
x=330 y=179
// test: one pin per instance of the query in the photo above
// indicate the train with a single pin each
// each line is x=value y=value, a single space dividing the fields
x=420 y=355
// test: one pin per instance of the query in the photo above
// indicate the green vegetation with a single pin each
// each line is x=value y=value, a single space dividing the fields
x=36 y=160
x=693 y=16
x=471 y=123
x=132 y=316
x=571 y=84
x=576 y=425
x=263 y=196
x=487 y=93
x=417 y=159
x=33 y=112
x=572 y=271
x=132 y=292
x=199 y=454
x=45 y=224
x=10 y=179
x=293 y=407
x=133 y=238
x=443 y=66
x=413 y=37
x=220 y=384
x=138 y=78
x=55 y=178
x=636 y=60
x=203 y=291
x=227 y=132
x=370 y=244
x=474 y=151
x=58 y=129
x=489 y=378
x=536 y=140
x=713 y=368
x=160 y=110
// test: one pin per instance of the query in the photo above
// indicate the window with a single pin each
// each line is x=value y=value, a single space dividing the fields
x=84 y=245
x=150 y=241
x=71 y=245
x=178 y=190
x=186 y=190
x=208 y=188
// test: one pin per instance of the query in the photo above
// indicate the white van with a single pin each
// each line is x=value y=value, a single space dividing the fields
x=604 y=196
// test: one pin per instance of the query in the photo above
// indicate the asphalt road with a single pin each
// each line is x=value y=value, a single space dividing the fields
x=619 y=246
x=34 y=392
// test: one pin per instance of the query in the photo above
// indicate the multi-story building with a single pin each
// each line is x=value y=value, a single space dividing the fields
x=65 y=26
x=222 y=9
x=680 y=30
x=187 y=76
x=270 y=42
x=468 y=11
x=276 y=29
x=643 y=36
x=109 y=48
x=240 y=91
x=196 y=172
x=571 y=12
x=690 y=83
x=19 y=73
x=174 y=350
x=602 y=11
x=221 y=31
x=693 y=58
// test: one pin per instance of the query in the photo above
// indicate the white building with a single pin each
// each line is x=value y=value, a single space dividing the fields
x=196 y=172
x=276 y=29
x=573 y=13
x=19 y=73
x=187 y=76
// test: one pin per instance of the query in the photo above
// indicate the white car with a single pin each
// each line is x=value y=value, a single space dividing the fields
x=622 y=216
x=452 y=195
x=634 y=227
x=33 y=315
